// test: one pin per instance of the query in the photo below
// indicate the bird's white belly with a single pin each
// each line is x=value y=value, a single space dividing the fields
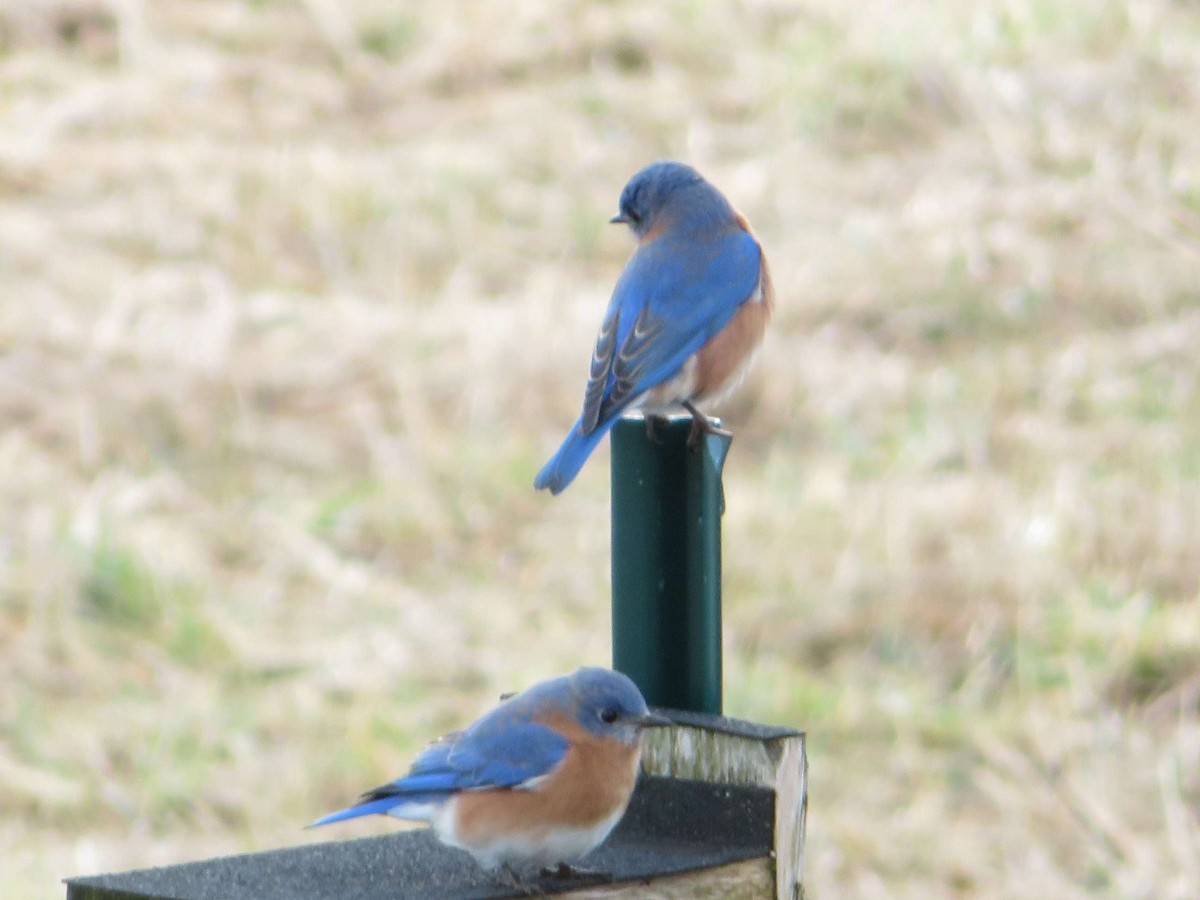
x=662 y=399
x=665 y=398
x=541 y=846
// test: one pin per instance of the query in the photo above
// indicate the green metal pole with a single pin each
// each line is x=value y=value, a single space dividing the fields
x=667 y=502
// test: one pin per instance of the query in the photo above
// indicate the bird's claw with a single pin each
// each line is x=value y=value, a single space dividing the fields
x=652 y=424
x=565 y=872
x=508 y=877
x=702 y=424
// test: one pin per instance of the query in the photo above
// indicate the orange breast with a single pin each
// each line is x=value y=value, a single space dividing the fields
x=721 y=362
x=594 y=781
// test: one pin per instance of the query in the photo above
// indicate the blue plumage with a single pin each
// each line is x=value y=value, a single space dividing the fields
x=504 y=748
x=696 y=265
x=528 y=765
x=498 y=751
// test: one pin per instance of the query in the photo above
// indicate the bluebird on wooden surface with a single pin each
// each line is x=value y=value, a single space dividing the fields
x=541 y=779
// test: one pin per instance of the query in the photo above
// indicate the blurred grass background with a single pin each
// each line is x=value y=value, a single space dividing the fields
x=296 y=296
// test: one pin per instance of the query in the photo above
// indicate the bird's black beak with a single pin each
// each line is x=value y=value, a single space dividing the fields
x=619 y=219
x=651 y=720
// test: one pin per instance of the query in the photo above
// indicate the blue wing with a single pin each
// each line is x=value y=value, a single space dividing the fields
x=496 y=752
x=673 y=296
x=671 y=299
x=506 y=755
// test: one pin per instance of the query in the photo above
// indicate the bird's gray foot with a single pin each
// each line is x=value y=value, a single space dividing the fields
x=701 y=424
x=507 y=876
x=565 y=872
x=653 y=423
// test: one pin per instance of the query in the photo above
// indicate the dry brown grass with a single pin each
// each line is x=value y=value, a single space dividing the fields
x=296 y=296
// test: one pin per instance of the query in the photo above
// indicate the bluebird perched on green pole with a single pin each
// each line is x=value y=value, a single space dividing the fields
x=686 y=317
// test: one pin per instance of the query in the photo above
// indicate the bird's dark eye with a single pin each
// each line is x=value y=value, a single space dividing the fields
x=608 y=715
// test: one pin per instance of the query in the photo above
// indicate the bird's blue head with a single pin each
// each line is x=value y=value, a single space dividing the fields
x=609 y=705
x=668 y=191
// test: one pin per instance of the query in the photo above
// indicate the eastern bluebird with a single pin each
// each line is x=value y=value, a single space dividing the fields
x=685 y=319
x=542 y=778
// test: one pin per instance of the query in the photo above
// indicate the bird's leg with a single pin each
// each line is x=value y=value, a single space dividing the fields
x=508 y=877
x=565 y=871
x=652 y=424
x=701 y=424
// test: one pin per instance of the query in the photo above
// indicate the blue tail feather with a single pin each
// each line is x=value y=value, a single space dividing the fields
x=381 y=806
x=394 y=805
x=565 y=464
